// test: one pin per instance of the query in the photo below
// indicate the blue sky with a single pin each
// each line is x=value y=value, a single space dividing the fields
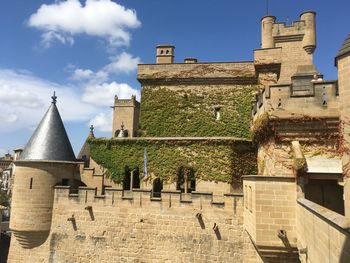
x=88 y=51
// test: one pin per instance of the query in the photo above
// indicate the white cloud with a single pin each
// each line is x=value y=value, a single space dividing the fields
x=123 y=63
x=103 y=94
x=49 y=37
x=102 y=122
x=82 y=74
x=62 y=20
x=24 y=99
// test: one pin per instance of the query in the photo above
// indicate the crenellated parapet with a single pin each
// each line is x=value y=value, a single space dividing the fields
x=304 y=110
x=285 y=47
x=302 y=30
x=312 y=98
x=143 y=198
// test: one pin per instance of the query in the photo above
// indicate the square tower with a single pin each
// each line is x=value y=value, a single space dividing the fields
x=165 y=54
x=125 y=117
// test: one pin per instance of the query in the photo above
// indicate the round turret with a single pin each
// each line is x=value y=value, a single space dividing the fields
x=309 y=40
x=46 y=161
x=33 y=197
x=267 y=40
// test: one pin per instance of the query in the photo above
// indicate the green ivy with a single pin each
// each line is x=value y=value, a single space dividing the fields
x=190 y=112
x=212 y=160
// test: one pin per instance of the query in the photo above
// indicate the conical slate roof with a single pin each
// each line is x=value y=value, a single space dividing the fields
x=345 y=47
x=85 y=149
x=49 y=141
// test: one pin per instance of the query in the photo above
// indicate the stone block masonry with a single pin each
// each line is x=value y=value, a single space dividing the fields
x=125 y=226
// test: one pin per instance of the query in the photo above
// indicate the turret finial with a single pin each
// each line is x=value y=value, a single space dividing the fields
x=91 y=134
x=54 y=98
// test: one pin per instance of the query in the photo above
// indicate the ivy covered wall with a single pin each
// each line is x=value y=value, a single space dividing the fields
x=212 y=160
x=189 y=110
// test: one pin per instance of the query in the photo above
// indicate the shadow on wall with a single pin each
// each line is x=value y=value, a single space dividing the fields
x=345 y=251
x=4 y=247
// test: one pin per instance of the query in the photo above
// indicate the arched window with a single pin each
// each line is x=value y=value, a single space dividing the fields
x=131 y=178
x=157 y=187
x=186 y=180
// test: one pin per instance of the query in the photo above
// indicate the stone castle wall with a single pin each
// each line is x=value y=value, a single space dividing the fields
x=132 y=227
x=323 y=235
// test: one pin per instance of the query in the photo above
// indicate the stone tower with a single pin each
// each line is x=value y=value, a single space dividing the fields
x=342 y=61
x=47 y=160
x=165 y=54
x=126 y=117
x=292 y=44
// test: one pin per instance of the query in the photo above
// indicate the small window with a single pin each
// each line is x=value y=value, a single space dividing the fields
x=161 y=52
x=217 y=113
x=250 y=199
x=65 y=182
x=157 y=187
x=31 y=183
x=167 y=52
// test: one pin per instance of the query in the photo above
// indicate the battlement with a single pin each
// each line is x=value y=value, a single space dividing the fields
x=303 y=30
x=144 y=198
x=315 y=98
x=132 y=102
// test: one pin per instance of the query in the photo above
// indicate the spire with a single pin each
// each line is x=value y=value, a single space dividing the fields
x=345 y=47
x=49 y=141
x=91 y=133
x=54 y=98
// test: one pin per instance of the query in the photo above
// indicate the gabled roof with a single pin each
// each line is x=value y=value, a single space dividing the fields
x=345 y=47
x=49 y=141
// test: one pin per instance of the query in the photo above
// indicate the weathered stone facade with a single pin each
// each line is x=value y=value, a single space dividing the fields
x=299 y=125
x=137 y=228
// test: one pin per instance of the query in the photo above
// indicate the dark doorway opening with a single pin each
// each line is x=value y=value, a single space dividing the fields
x=327 y=193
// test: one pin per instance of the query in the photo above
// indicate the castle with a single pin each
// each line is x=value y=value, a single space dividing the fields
x=220 y=162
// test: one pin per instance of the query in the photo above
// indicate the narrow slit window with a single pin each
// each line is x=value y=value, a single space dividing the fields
x=250 y=201
x=31 y=183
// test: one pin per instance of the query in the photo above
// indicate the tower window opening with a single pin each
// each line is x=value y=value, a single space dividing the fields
x=167 y=52
x=31 y=183
x=217 y=113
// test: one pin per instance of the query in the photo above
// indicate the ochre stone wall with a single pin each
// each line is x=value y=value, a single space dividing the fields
x=292 y=56
x=343 y=64
x=275 y=159
x=323 y=235
x=270 y=206
x=138 y=229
